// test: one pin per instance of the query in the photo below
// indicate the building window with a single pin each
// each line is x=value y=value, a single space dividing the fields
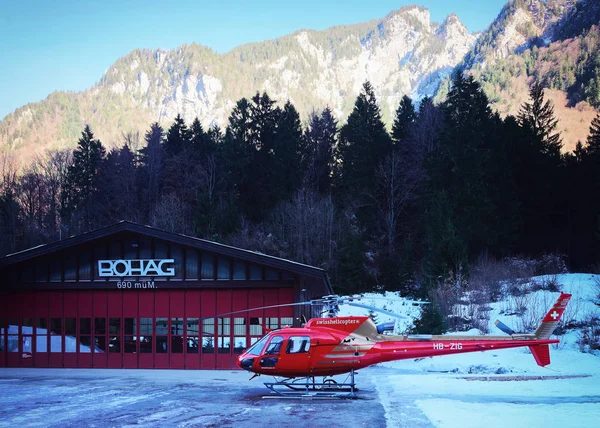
x=271 y=275
x=145 y=335
x=208 y=336
x=41 y=272
x=177 y=335
x=100 y=326
x=239 y=335
x=208 y=266
x=130 y=339
x=223 y=269
x=223 y=333
x=85 y=326
x=191 y=264
x=255 y=272
x=114 y=331
x=27 y=332
x=85 y=266
x=224 y=345
x=56 y=272
x=12 y=343
x=55 y=335
x=239 y=270
x=272 y=323
x=70 y=335
x=256 y=327
x=286 y=321
x=162 y=332
x=100 y=335
x=192 y=335
x=70 y=267
x=27 y=326
x=85 y=330
x=41 y=338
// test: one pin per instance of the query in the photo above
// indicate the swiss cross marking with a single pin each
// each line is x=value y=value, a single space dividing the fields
x=554 y=315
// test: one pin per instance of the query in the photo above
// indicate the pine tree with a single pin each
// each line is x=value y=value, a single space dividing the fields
x=537 y=117
x=593 y=139
x=151 y=160
x=178 y=137
x=83 y=182
x=320 y=139
x=431 y=321
x=458 y=164
x=200 y=142
x=540 y=177
x=405 y=118
x=119 y=186
x=288 y=153
x=363 y=144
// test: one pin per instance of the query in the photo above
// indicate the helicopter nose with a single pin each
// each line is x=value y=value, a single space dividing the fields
x=246 y=363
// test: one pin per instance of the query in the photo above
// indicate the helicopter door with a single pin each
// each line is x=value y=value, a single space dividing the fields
x=271 y=355
x=297 y=354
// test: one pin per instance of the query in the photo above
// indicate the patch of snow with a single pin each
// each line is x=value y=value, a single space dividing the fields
x=118 y=88
x=280 y=63
x=143 y=82
x=445 y=413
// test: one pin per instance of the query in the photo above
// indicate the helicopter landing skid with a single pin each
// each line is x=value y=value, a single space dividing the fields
x=308 y=388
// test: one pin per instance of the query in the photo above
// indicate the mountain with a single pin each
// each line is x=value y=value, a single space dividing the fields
x=555 y=42
x=552 y=41
x=403 y=53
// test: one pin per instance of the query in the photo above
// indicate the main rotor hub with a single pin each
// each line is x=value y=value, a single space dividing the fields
x=331 y=305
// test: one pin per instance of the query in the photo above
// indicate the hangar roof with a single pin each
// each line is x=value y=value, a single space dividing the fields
x=202 y=244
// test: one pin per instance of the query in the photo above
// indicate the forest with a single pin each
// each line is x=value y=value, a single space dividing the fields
x=451 y=185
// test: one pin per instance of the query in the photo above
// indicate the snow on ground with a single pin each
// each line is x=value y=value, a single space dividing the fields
x=505 y=387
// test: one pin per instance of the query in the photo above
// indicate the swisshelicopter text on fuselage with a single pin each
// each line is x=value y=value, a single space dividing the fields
x=332 y=346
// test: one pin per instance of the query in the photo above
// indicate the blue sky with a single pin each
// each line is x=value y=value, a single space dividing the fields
x=51 y=45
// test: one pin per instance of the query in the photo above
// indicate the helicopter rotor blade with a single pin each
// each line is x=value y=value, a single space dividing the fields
x=373 y=308
x=257 y=309
x=413 y=302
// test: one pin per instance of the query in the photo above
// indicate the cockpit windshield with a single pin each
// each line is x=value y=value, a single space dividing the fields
x=258 y=347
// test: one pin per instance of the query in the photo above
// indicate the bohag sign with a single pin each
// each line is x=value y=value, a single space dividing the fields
x=136 y=267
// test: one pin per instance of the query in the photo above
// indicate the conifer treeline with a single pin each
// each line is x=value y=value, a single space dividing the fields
x=400 y=212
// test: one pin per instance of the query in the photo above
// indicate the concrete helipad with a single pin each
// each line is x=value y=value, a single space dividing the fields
x=80 y=397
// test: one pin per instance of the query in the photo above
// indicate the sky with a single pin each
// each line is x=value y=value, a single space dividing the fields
x=67 y=45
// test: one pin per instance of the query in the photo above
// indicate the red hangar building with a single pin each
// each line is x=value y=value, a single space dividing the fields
x=131 y=296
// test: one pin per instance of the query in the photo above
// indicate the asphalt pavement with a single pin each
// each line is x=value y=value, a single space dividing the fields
x=102 y=398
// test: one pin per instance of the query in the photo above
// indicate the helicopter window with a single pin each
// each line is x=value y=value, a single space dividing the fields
x=298 y=344
x=274 y=346
x=258 y=347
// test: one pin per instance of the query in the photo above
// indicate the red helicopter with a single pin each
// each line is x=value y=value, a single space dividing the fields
x=330 y=346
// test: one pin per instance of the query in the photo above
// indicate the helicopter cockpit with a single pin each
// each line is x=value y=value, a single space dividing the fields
x=272 y=346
